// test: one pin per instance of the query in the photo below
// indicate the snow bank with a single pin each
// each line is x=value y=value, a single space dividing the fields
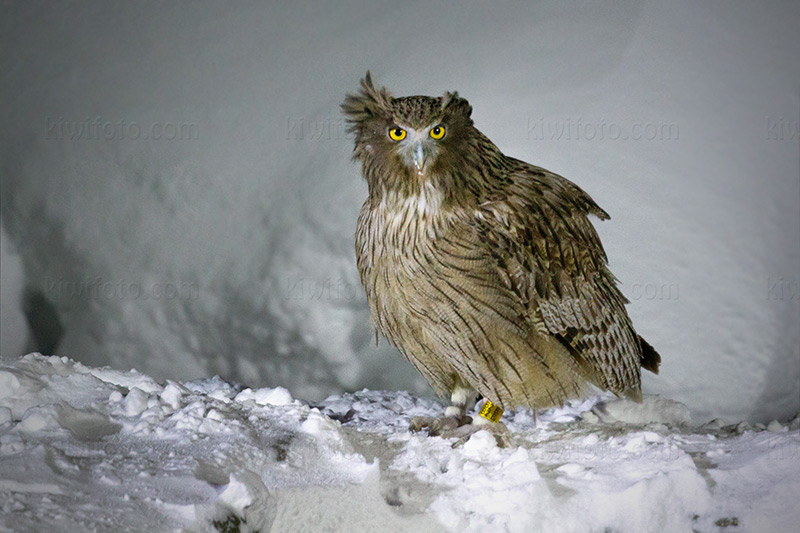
x=84 y=448
x=177 y=181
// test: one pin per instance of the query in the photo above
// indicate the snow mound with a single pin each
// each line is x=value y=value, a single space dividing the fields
x=86 y=448
x=652 y=409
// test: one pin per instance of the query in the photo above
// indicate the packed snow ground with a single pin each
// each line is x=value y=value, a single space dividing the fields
x=85 y=448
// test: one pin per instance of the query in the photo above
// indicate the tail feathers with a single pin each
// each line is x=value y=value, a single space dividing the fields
x=650 y=358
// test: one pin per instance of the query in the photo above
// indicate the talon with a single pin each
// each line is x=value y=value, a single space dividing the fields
x=498 y=430
x=461 y=428
x=438 y=426
x=418 y=423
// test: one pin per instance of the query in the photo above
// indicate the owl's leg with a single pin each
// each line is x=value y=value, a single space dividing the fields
x=457 y=424
x=462 y=398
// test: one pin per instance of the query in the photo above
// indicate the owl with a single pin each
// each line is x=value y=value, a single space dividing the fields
x=483 y=270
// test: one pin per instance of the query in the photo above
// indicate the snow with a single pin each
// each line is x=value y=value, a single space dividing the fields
x=276 y=396
x=229 y=251
x=85 y=448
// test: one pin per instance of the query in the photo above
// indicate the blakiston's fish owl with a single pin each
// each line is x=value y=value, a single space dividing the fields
x=484 y=270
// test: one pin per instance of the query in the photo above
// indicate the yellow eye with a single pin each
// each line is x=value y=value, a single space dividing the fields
x=437 y=132
x=397 y=134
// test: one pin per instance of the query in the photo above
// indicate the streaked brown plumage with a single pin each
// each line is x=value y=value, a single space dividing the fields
x=484 y=270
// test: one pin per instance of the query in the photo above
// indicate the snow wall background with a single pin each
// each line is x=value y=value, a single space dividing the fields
x=177 y=194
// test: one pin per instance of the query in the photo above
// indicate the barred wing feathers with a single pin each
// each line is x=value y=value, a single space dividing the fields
x=537 y=228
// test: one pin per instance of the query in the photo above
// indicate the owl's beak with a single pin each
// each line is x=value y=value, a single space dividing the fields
x=419 y=157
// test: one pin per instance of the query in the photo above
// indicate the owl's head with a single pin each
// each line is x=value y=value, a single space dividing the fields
x=409 y=138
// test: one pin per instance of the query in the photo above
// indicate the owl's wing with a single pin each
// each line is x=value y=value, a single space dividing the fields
x=538 y=230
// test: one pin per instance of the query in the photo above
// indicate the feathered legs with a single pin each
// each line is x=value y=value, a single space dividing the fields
x=456 y=423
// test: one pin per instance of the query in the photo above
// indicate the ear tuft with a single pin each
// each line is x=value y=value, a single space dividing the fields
x=368 y=103
x=452 y=103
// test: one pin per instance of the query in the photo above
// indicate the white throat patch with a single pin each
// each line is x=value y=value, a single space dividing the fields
x=426 y=203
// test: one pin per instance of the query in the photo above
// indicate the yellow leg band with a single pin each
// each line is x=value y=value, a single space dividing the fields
x=490 y=411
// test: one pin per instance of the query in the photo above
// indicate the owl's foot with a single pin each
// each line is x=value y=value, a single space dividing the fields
x=455 y=423
x=461 y=428
x=498 y=430
x=438 y=425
